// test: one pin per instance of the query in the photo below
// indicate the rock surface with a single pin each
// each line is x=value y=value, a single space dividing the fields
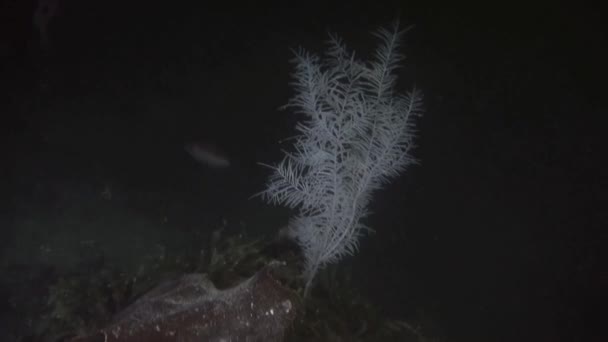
x=191 y=308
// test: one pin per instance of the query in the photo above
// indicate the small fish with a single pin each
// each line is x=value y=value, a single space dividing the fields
x=45 y=12
x=207 y=154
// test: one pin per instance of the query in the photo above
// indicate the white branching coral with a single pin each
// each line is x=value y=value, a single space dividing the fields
x=356 y=134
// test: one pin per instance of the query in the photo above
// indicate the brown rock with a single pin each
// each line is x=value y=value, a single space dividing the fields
x=191 y=308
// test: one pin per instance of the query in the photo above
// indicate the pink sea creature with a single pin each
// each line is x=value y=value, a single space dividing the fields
x=207 y=154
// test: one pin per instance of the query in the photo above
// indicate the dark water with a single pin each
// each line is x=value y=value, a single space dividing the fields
x=493 y=237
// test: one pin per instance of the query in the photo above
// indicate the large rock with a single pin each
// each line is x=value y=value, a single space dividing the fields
x=191 y=308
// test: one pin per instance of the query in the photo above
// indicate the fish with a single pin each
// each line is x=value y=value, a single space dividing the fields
x=207 y=154
x=46 y=11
